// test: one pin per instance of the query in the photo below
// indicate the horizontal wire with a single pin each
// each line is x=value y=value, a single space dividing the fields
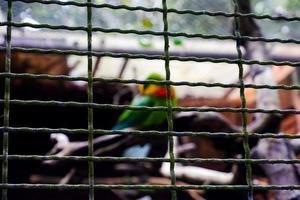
x=146 y=133
x=150 y=57
x=150 y=160
x=147 y=187
x=155 y=33
x=147 y=108
x=135 y=81
x=140 y=8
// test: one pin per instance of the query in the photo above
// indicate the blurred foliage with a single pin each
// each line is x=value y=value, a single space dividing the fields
x=281 y=28
x=107 y=18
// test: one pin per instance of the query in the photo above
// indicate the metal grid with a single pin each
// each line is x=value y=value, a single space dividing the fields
x=90 y=106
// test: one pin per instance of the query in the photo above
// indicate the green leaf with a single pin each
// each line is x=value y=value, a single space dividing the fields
x=99 y=1
x=147 y=23
x=145 y=43
x=177 y=41
x=126 y=2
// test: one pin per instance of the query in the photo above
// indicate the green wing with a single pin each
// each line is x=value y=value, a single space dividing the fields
x=131 y=118
x=156 y=118
x=144 y=119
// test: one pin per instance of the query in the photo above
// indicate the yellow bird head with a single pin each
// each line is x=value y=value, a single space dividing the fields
x=155 y=90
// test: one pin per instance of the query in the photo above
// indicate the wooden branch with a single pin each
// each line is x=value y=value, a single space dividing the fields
x=96 y=66
x=185 y=148
x=248 y=26
x=75 y=65
x=278 y=174
x=124 y=65
x=230 y=90
x=72 y=148
x=66 y=179
x=104 y=149
x=193 y=173
x=199 y=174
x=256 y=50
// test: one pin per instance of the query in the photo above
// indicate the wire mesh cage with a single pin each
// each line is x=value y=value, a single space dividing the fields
x=249 y=50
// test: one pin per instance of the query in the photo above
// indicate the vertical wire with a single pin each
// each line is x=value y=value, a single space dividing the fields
x=90 y=100
x=168 y=99
x=243 y=102
x=6 y=100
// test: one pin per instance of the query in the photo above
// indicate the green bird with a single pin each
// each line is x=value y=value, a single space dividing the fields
x=150 y=95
